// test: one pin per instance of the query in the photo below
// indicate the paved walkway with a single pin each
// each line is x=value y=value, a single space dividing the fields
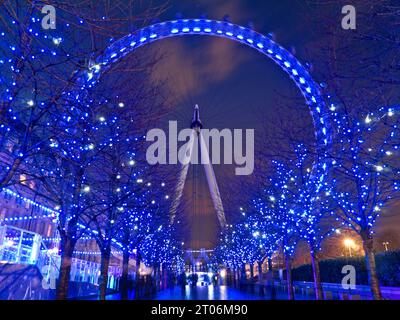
x=210 y=293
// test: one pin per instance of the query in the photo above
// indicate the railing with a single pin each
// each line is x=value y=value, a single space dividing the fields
x=335 y=291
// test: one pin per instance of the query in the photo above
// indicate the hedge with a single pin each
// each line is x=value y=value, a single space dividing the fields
x=387 y=267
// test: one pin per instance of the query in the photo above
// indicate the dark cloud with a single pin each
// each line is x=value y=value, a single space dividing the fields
x=197 y=72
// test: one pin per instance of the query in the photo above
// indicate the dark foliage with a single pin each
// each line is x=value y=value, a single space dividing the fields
x=387 y=265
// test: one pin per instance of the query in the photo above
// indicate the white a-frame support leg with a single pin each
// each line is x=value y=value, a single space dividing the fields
x=212 y=182
x=209 y=171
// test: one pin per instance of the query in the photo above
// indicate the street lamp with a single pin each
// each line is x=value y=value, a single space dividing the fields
x=349 y=243
x=385 y=244
x=223 y=273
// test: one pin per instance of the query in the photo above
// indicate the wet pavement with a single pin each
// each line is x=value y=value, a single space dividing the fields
x=210 y=292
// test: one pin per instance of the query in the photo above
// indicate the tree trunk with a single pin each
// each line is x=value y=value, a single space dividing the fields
x=164 y=277
x=368 y=245
x=288 y=262
x=10 y=173
x=251 y=264
x=157 y=276
x=259 y=264
x=67 y=249
x=260 y=280
x=271 y=279
x=105 y=263
x=269 y=264
x=316 y=274
x=137 y=278
x=125 y=275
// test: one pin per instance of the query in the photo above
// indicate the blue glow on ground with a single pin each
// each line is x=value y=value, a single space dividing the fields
x=211 y=293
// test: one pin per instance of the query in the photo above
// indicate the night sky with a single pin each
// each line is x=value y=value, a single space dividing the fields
x=235 y=87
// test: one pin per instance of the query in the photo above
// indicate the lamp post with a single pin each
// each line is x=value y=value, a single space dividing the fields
x=349 y=243
x=385 y=244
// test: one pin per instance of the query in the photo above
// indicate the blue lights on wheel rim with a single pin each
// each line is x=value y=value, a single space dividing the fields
x=321 y=114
